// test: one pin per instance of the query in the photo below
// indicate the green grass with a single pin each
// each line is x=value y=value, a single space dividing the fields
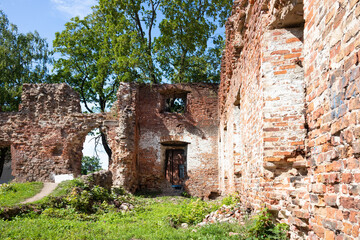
x=150 y=221
x=14 y=193
x=152 y=218
x=61 y=190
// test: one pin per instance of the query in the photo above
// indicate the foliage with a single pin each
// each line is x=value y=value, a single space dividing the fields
x=170 y=39
x=141 y=41
x=182 y=48
x=231 y=199
x=90 y=165
x=262 y=227
x=23 y=59
x=14 y=193
x=149 y=224
x=87 y=61
x=148 y=220
x=175 y=105
x=193 y=212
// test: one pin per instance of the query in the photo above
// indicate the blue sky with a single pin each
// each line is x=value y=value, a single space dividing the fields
x=44 y=16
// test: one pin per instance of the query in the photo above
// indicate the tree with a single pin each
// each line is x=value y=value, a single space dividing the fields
x=90 y=165
x=183 y=50
x=88 y=65
x=170 y=38
x=122 y=41
x=23 y=59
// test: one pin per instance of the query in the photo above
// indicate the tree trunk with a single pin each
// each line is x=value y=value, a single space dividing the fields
x=106 y=145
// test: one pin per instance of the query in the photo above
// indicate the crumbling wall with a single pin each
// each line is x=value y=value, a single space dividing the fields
x=123 y=138
x=262 y=101
x=332 y=74
x=290 y=84
x=196 y=128
x=47 y=134
x=241 y=103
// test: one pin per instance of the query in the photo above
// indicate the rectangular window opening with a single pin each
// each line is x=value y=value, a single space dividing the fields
x=175 y=104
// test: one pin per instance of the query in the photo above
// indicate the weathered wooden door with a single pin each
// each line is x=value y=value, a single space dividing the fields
x=175 y=166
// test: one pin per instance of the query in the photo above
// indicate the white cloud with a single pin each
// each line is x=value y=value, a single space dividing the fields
x=74 y=8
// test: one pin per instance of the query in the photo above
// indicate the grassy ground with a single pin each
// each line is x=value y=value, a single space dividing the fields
x=149 y=222
x=151 y=218
x=14 y=193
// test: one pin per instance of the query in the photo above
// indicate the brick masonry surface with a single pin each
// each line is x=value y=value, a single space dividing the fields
x=289 y=113
x=146 y=130
x=46 y=136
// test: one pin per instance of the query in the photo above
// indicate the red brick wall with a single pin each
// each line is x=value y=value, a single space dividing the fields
x=197 y=127
x=47 y=134
x=289 y=113
x=241 y=103
x=262 y=121
x=123 y=137
x=332 y=74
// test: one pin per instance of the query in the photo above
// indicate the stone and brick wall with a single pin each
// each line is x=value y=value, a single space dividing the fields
x=143 y=130
x=332 y=75
x=289 y=113
x=196 y=128
x=123 y=137
x=47 y=134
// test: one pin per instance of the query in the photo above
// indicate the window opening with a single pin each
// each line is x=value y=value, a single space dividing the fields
x=175 y=105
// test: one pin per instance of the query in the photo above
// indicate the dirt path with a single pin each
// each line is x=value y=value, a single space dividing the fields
x=47 y=189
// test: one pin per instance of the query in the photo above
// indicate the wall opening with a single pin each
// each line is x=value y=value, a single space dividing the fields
x=174 y=101
x=175 y=104
x=5 y=165
x=94 y=155
x=175 y=163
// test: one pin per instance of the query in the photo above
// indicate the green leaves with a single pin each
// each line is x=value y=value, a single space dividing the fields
x=90 y=164
x=183 y=50
x=263 y=228
x=24 y=58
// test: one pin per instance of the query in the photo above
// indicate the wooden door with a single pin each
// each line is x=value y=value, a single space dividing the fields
x=175 y=166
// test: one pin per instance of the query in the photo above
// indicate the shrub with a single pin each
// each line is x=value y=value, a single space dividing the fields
x=231 y=199
x=263 y=228
x=193 y=212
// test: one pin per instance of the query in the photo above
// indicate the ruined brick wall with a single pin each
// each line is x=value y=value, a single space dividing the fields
x=262 y=101
x=241 y=103
x=123 y=137
x=289 y=117
x=332 y=74
x=197 y=128
x=47 y=134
